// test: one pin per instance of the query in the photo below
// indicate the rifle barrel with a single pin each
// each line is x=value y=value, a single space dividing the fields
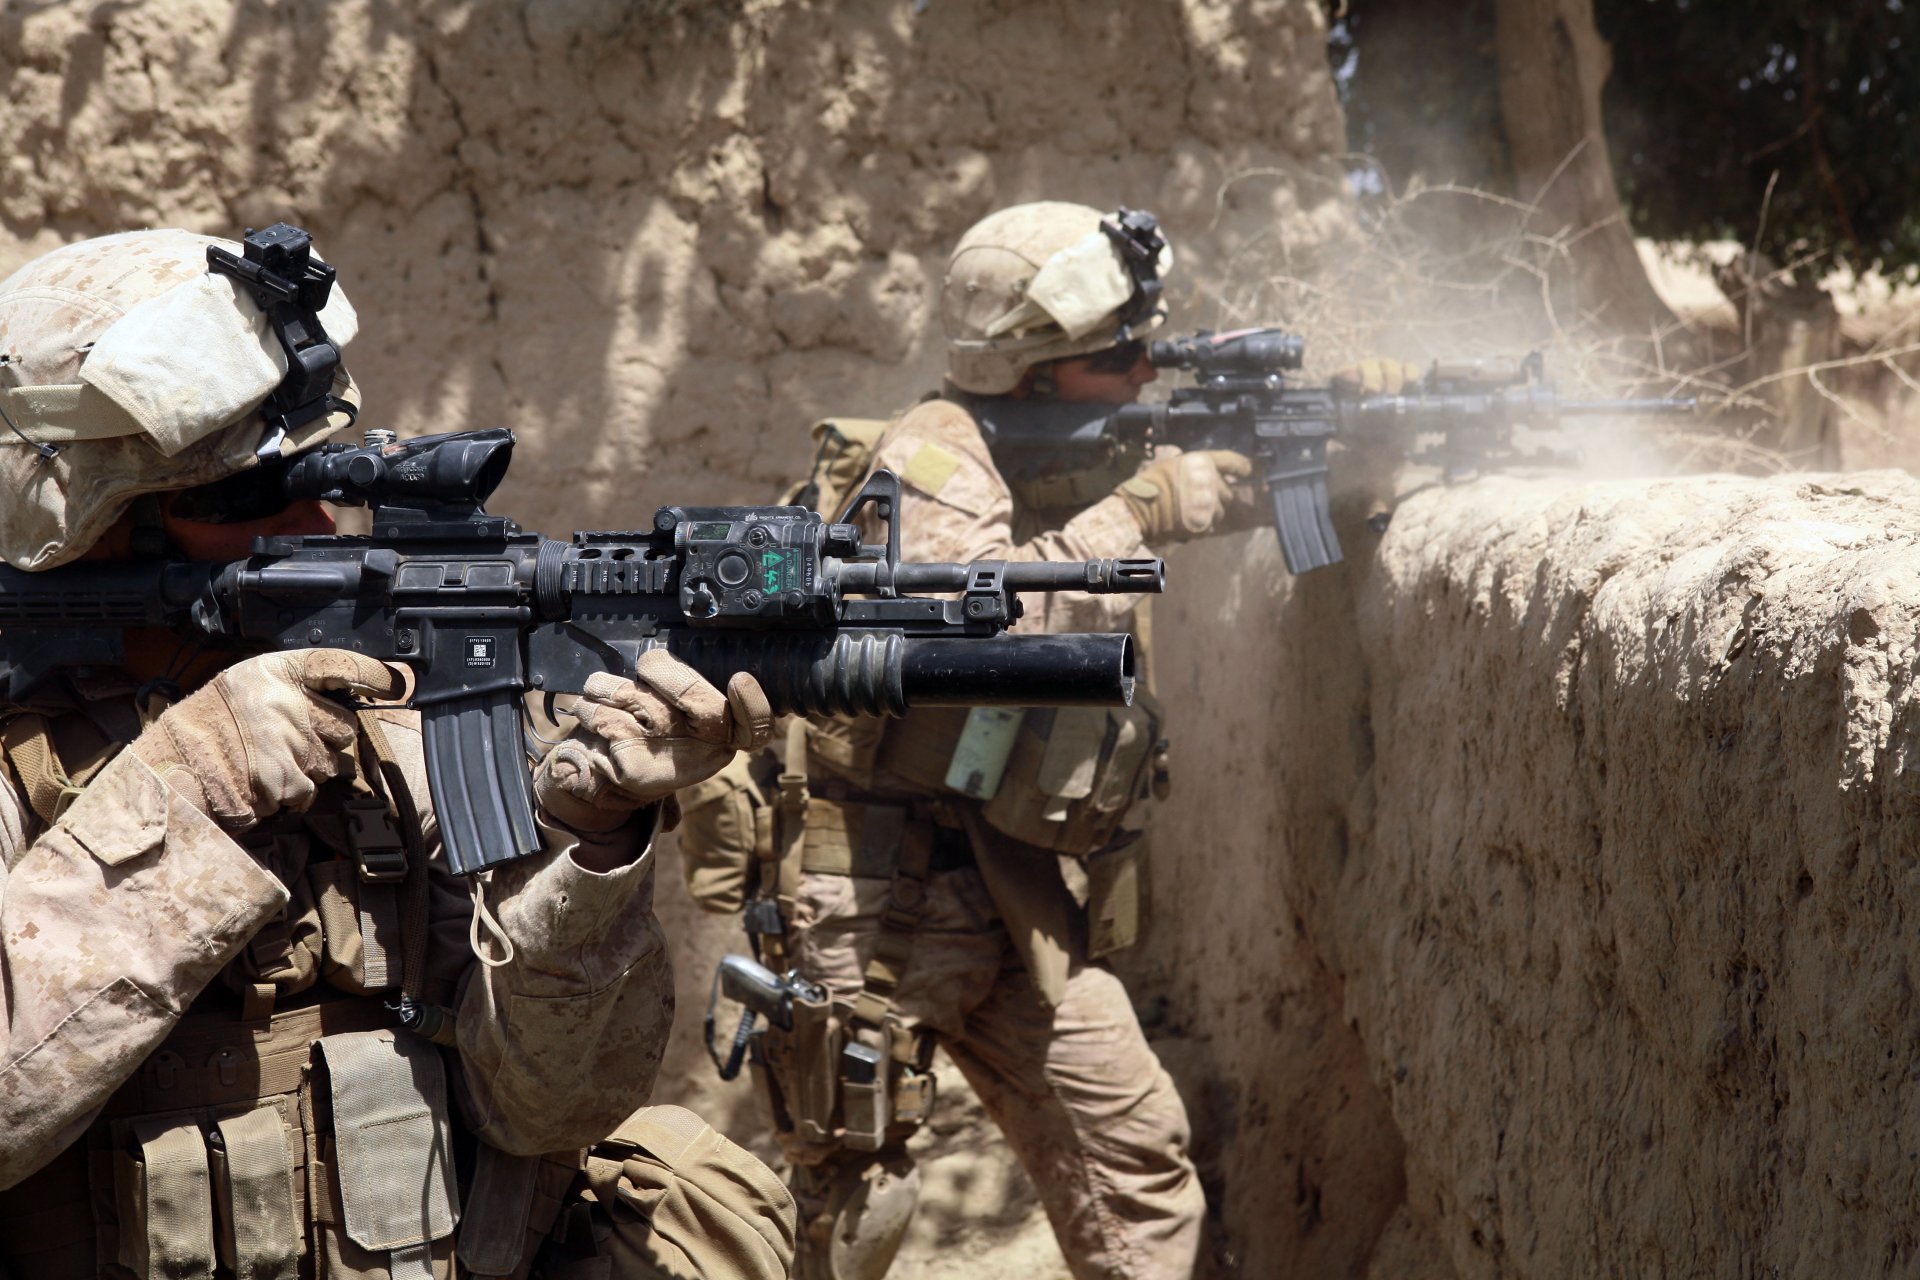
x=1666 y=406
x=1099 y=577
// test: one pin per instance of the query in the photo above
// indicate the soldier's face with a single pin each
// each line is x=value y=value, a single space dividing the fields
x=1095 y=379
x=232 y=541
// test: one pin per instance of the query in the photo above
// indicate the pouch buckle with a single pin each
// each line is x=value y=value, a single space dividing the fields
x=375 y=840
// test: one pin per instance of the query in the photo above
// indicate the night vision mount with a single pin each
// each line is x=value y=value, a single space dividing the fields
x=1137 y=239
x=290 y=285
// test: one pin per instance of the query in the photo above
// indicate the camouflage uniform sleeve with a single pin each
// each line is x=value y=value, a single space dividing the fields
x=110 y=924
x=563 y=1042
x=956 y=506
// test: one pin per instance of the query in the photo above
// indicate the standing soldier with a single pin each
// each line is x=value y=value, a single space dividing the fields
x=219 y=880
x=955 y=877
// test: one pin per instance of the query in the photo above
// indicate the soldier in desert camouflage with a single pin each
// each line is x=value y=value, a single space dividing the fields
x=942 y=898
x=201 y=1069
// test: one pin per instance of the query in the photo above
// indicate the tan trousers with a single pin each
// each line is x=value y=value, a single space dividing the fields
x=1083 y=1102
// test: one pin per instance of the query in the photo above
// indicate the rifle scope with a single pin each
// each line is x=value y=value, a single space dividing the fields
x=442 y=471
x=1241 y=353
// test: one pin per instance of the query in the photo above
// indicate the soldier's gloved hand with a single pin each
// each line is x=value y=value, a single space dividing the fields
x=1190 y=495
x=259 y=737
x=640 y=740
x=1377 y=377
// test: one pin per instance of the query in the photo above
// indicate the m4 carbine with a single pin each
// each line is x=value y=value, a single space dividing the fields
x=1242 y=400
x=485 y=613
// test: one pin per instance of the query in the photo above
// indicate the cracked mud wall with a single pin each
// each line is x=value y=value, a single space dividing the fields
x=658 y=237
x=1529 y=902
x=1625 y=924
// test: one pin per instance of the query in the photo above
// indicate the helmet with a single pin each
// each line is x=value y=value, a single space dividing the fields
x=129 y=366
x=1044 y=281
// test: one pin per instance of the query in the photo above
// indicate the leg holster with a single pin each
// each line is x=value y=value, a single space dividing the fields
x=850 y=1074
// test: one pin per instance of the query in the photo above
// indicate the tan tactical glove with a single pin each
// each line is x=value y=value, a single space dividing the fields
x=1377 y=377
x=640 y=740
x=1191 y=495
x=258 y=737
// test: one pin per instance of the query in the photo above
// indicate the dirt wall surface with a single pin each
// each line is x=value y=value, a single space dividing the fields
x=1625 y=921
x=659 y=237
x=653 y=236
x=1529 y=899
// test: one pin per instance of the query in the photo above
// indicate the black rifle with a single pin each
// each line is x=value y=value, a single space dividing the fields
x=1242 y=400
x=485 y=612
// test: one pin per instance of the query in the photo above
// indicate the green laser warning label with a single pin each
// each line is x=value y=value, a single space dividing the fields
x=782 y=571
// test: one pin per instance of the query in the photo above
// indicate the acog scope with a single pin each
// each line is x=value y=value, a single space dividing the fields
x=1242 y=352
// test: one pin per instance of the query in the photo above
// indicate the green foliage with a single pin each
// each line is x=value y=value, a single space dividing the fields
x=1710 y=99
x=1707 y=102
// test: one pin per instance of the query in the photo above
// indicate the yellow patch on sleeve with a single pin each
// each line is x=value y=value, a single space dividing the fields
x=930 y=468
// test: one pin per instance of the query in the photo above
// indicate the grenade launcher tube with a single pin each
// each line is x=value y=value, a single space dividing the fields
x=885 y=673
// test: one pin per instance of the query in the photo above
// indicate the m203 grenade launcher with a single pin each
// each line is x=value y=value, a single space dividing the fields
x=1243 y=398
x=485 y=612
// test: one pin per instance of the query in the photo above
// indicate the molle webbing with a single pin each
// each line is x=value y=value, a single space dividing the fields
x=211 y=1060
x=1044 y=504
x=853 y=834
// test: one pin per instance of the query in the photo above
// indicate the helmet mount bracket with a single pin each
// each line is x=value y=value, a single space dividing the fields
x=290 y=285
x=1139 y=243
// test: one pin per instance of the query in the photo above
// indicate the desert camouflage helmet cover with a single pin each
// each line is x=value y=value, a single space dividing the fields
x=1044 y=281
x=145 y=371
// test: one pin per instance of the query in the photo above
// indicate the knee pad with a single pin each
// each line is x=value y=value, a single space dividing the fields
x=854 y=1214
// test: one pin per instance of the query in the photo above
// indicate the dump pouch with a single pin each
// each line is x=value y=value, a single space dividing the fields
x=710 y=1208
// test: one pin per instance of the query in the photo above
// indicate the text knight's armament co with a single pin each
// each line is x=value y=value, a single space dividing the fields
x=486 y=612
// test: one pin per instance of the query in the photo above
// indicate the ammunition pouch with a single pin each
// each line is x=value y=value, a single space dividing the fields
x=1074 y=773
x=1070 y=778
x=385 y=1135
x=312 y=1143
